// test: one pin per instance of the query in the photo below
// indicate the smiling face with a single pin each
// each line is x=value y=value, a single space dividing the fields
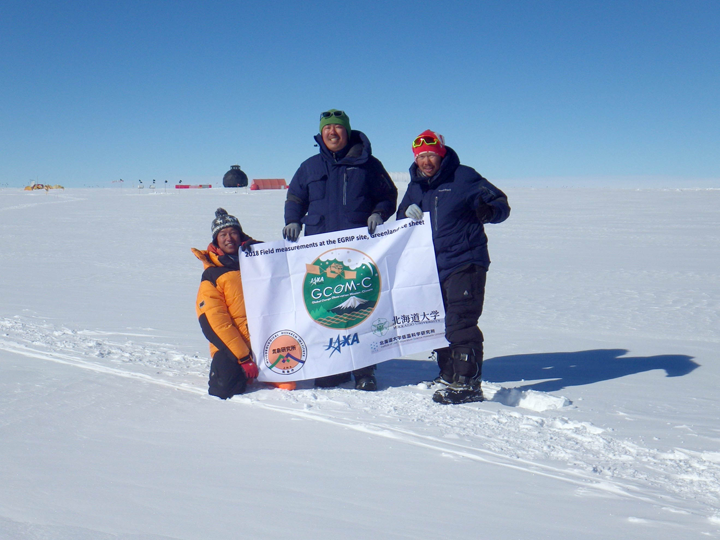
x=228 y=240
x=335 y=137
x=428 y=163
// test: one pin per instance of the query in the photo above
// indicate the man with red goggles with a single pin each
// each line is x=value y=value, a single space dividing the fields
x=458 y=202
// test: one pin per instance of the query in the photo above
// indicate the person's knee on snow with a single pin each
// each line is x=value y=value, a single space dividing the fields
x=227 y=377
x=220 y=308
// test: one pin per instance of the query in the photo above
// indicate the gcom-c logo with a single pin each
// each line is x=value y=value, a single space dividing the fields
x=341 y=288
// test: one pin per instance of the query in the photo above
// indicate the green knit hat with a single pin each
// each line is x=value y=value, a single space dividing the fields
x=334 y=116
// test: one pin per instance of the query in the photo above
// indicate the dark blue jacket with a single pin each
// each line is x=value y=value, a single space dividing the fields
x=338 y=191
x=451 y=196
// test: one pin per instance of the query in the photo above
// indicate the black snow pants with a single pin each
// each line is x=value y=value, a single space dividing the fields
x=463 y=294
x=227 y=377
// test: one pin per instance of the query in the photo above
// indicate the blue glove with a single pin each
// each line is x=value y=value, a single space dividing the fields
x=291 y=231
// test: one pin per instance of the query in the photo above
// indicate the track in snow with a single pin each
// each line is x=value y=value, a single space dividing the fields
x=524 y=431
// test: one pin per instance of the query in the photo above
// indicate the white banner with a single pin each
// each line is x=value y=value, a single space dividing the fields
x=336 y=302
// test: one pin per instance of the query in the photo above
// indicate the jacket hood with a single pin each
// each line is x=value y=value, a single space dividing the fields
x=357 y=151
x=214 y=257
x=449 y=165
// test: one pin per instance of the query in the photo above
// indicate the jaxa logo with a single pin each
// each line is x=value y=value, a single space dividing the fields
x=339 y=342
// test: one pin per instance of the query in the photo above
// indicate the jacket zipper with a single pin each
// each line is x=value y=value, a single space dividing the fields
x=435 y=218
x=345 y=188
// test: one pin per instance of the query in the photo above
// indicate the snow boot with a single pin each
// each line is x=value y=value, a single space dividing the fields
x=284 y=385
x=367 y=383
x=443 y=357
x=462 y=391
x=465 y=386
x=365 y=379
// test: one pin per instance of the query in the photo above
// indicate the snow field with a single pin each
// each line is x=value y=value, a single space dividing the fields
x=601 y=372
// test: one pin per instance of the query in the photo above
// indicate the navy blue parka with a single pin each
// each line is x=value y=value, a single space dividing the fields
x=451 y=196
x=334 y=191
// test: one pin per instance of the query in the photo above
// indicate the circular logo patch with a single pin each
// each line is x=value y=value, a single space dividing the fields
x=341 y=288
x=285 y=352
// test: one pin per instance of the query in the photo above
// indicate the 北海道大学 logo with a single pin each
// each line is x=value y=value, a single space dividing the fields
x=285 y=352
x=341 y=288
x=380 y=327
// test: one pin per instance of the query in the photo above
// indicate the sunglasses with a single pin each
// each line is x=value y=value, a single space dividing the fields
x=328 y=114
x=430 y=141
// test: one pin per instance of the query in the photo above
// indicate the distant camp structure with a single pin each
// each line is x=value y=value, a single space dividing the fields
x=235 y=177
x=189 y=186
x=268 y=183
x=47 y=187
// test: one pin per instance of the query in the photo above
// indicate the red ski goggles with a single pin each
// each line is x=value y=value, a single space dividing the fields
x=430 y=141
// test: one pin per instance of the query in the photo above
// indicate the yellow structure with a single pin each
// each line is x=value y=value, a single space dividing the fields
x=46 y=187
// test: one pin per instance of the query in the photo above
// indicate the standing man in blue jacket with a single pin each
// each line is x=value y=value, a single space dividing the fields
x=342 y=187
x=460 y=202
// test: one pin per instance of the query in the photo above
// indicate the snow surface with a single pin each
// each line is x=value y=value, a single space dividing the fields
x=601 y=326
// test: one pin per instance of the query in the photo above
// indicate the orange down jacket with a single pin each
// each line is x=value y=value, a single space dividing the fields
x=220 y=304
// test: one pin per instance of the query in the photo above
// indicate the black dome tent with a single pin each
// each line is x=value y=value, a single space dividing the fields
x=235 y=177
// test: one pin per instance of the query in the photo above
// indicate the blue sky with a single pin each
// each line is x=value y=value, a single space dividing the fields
x=95 y=91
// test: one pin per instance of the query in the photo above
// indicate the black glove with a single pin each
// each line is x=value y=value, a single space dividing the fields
x=484 y=212
x=246 y=246
x=373 y=221
x=291 y=231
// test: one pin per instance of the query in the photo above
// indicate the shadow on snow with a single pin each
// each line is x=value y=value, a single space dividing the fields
x=553 y=371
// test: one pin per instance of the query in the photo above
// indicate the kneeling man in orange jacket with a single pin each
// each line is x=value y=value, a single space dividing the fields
x=220 y=308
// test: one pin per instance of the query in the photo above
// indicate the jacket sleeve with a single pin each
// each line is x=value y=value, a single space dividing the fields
x=216 y=321
x=406 y=201
x=384 y=191
x=297 y=202
x=491 y=195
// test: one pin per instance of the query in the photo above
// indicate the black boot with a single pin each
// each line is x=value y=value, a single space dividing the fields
x=443 y=357
x=365 y=379
x=465 y=387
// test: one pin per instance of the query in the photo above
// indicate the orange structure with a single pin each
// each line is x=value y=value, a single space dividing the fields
x=268 y=183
